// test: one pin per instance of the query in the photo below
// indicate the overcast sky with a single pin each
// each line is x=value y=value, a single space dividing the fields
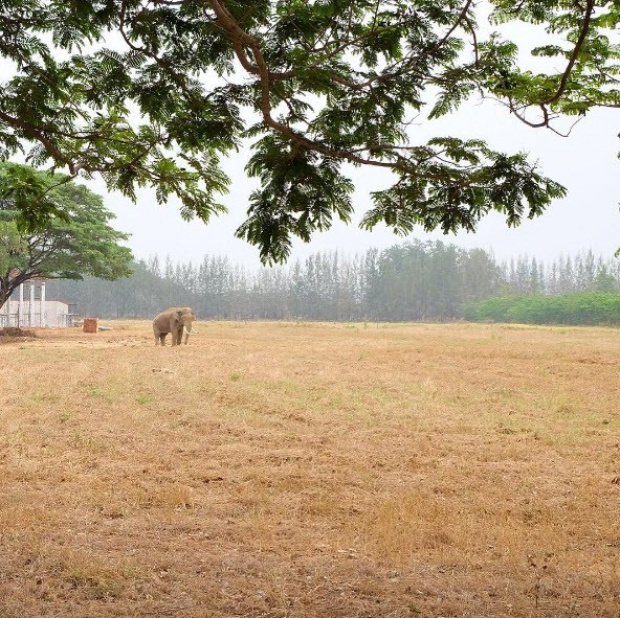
x=588 y=218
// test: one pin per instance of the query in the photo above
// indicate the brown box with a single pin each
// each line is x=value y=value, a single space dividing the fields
x=90 y=325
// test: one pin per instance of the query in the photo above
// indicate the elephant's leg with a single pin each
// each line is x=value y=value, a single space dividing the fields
x=162 y=339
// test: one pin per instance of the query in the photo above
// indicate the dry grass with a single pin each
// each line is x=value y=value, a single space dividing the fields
x=311 y=470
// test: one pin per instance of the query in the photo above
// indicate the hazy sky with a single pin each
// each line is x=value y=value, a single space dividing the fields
x=585 y=162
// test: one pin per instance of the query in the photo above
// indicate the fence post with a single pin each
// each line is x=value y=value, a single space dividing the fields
x=43 y=324
x=20 y=306
x=31 y=306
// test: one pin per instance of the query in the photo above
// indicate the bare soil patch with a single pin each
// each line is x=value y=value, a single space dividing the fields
x=311 y=470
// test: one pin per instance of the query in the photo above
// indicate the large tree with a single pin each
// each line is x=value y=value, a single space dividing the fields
x=156 y=92
x=76 y=240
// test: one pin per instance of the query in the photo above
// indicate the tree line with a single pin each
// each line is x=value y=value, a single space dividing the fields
x=412 y=281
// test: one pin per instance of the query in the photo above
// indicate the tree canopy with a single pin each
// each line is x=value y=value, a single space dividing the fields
x=156 y=93
x=75 y=241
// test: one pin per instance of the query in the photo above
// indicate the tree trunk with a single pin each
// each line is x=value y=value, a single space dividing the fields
x=5 y=290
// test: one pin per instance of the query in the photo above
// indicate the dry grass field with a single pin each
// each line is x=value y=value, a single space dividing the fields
x=311 y=470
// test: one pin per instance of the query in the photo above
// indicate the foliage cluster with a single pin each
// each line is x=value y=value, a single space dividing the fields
x=158 y=93
x=75 y=240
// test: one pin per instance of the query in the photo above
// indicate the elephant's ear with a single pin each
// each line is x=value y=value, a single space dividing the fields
x=179 y=315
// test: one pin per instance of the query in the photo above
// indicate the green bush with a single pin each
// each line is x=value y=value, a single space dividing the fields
x=585 y=308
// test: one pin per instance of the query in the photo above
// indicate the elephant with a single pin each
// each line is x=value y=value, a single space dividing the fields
x=174 y=320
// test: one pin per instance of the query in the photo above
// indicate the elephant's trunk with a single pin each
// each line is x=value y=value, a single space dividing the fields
x=187 y=329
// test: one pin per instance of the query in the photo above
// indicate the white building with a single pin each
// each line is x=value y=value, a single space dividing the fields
x=35 y=311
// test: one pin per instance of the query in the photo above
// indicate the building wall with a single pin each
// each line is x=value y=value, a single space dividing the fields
x=56 y=314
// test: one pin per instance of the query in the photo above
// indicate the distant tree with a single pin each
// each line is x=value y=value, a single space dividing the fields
x=537 y=277
x=566 y=281
x=481 y=275
x=605 y=281
x=75 y=241
x=585 y=271
x=552 y=283
x=155 y=93
x=372 y=285
x=153 y=265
